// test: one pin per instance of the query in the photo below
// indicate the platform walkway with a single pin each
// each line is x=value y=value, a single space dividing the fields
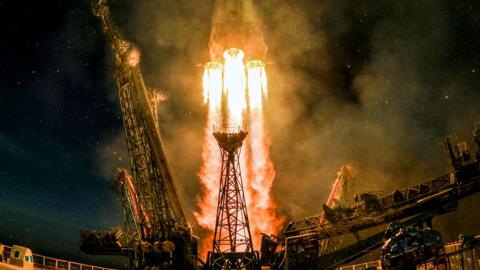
x=45 y=262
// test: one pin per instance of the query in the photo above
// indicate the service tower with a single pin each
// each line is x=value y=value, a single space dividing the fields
x=232 y=243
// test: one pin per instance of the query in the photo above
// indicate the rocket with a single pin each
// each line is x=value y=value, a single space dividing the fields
x=235 y=89
x=235 y=25
x=234 y=78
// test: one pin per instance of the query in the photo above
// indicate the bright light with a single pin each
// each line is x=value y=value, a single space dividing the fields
x=227 y=87
x=234 y=86
x=257 y=83
x=133 y=57
x=212 y=85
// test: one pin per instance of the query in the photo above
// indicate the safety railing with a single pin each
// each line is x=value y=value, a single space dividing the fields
x=229 y=129
x=362 y=266
x=46 y=262
x=459 y=255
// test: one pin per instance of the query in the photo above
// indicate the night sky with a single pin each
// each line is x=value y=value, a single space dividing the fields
x=55 y=110
x=376 y=83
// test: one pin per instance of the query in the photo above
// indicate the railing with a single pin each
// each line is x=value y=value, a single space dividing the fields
x=416 y=191
x=229 y=129
x=393 y=200
x=458 y=256
x=45 y=262
x=362 y=266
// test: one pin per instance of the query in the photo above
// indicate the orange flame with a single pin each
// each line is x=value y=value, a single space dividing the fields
x=235 y=93
x=133 y=58
x=234 y=86
x=259 y=180
x=212 y=85
x=210 y=180
x=257 y=84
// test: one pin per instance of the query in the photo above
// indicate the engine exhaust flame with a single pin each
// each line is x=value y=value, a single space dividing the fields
x=257 y=84
x=212 y=85
x=234 y=93
x=260 y=178
x=209 y=175
x=234 y=86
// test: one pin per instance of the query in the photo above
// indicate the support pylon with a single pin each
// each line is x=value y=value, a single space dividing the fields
x=232 y=243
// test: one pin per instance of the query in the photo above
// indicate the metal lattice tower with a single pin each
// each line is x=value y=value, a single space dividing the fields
x=232 y=244
x=160 y=218
x=152 y=177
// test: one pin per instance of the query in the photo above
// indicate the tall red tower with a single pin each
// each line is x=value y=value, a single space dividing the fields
x=232 y=243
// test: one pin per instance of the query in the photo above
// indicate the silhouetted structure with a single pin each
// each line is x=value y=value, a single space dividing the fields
x=412 y=206
x=157 y=233
x=232 y=244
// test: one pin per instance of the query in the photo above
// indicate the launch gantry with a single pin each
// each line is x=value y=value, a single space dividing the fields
x=163 y=239
x=414 y=205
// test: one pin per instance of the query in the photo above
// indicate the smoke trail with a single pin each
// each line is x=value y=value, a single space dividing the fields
x=259 y=180
x=236 y=97
x=210 y=177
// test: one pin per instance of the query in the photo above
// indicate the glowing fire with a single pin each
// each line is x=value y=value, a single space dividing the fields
x=133 y=57
x=209 y=175
x=235 y=93
x=257 y=84
x=234 y=86
x=259 y=179
x=212 y=85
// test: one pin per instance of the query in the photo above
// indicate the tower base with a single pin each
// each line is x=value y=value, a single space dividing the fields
x=234 y=260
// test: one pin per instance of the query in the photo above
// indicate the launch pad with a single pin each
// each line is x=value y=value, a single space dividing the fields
x=157 y=234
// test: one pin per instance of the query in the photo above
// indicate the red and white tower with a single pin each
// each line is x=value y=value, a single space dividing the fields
x=232 y=243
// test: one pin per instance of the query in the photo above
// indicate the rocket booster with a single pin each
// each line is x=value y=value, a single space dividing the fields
x=235 y=25
x=235 y=89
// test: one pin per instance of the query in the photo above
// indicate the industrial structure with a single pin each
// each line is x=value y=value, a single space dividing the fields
x=232 y=243
x=21 y=258
x=413 y=206
x=235 y=91
x=157 y=233
x=338 y=198
x=463 y=254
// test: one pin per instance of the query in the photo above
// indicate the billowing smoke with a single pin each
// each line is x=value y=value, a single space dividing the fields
x=379 y=84
x=375 y=83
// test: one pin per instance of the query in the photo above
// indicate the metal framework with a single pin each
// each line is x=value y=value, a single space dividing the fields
x=232 y=243
x=416 y=204
x=45 y=262
x=152 y=177
x=164 y=238
x=397 y=202
x=463 y=254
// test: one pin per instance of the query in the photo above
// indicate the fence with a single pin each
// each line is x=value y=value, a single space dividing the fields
x=45 y=262
x=458 y=256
